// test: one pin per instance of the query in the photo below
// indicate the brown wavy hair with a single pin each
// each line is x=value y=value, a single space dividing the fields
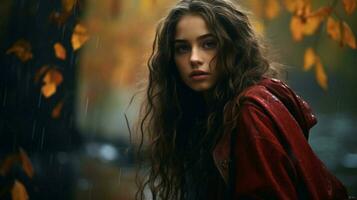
x=181 y=130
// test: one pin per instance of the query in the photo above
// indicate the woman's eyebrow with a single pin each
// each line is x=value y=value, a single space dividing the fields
x=201 y=37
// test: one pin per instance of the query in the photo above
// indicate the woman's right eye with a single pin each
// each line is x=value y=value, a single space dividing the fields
x=180 y=49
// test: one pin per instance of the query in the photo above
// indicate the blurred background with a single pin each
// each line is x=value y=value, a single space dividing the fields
x=69 y=70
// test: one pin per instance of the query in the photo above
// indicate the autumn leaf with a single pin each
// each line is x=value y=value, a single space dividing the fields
x=26 y=163
x=22 y=49
x=7 y=163
x=51 y=80
x=79 y=36
x=349 y=6
x=321 y=76
x=56 y=112
x=18 y=191
x=60 y=51
x=311 y=24
x=309 y=59
x=321 y=12
x=333 y=29
x=49 y=89
x=297 y=28
x=348 y=37
x=272 y=9
x=53 y=75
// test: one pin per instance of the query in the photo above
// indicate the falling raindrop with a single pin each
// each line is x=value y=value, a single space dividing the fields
x=37 y=6
x=39 y=100
x=86 y=107
x=33 y=129
x=42 y=137
x=97 y=42
x=64 y=31
x=119 y=178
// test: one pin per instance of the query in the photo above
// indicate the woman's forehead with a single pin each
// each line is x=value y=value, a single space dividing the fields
x=190 y=26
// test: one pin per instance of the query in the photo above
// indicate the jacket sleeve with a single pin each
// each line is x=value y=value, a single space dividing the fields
x=261 y=167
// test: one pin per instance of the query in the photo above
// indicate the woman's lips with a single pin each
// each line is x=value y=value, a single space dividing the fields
x=199 y=75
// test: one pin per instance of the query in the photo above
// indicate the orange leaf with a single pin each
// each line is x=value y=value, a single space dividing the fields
x=296 y=28
x=321 y=12
x=22 y=49
x=26 y=163
x=56 y=112
x=51 y=80
x=60 y=51
x=348 y=37
x=18 y=191
x=8 y=162
x=309 y=58
x=79 y=36
x=321 y=76
x=333 y=29
x=48 y=89
x=349 y=6
x=272 y=9
x=53 y=76
x=311 y=25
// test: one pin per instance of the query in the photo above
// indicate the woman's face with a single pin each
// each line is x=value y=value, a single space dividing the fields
x=195 y=49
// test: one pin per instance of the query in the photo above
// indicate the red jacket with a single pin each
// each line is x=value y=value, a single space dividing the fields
x=270 y=156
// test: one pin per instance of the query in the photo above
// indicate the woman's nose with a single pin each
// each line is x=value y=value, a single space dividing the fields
x=196 y=58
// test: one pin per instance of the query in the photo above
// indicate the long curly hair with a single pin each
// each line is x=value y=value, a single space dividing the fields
x=180 y=128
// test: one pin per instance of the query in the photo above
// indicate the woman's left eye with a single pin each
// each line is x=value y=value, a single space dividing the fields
x=210 y=44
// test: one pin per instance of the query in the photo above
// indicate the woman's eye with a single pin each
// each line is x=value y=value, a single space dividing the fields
x=210 y=44
x=182 y=49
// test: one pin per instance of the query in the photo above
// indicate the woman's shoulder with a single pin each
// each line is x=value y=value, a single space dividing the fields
x=276 y=98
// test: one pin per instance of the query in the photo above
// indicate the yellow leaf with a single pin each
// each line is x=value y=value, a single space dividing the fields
x=51 y=80
x=48 y=89
x=348 y=37
x=26 y=163
x=321 y=76
x=56 y=112
x=311 y=25
x=272 y=9
x=309 y=58
x=18 y=191
x=7 y=163
x=53 y=76
x=349 y=6
x=68 y=5
x=22 y=49
x=60 y=51
x=333 y=29
x=79 y=36
x=296 y=28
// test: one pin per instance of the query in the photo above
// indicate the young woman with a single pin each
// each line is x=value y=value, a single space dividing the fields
x=220 y=125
